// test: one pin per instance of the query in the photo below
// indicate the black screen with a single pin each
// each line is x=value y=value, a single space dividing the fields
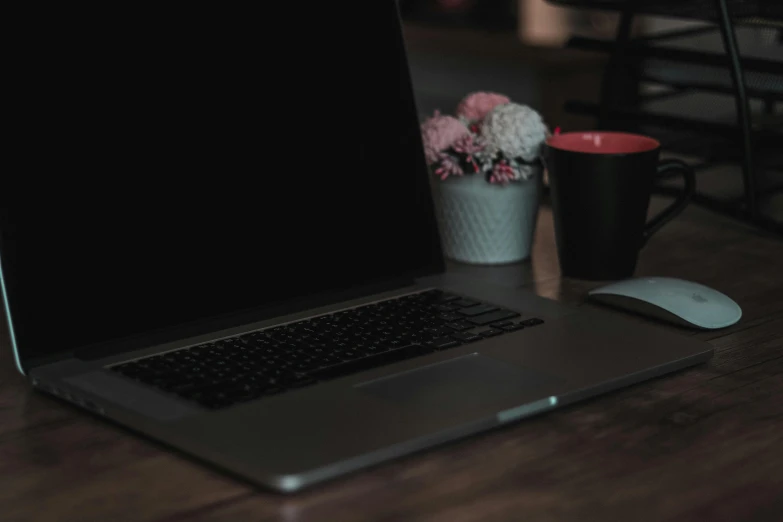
x=179 y=166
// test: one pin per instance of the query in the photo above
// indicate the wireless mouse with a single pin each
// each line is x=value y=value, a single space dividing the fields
x=674 y=300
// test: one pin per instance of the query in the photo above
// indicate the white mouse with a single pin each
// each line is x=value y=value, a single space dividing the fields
x=681 y=302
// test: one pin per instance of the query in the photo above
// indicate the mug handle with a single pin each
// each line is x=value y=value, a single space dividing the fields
x=679 y=204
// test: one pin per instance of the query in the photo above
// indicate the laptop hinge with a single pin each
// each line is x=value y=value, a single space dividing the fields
x=234 y=320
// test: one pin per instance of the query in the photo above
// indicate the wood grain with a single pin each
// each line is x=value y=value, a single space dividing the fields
x=701 y=444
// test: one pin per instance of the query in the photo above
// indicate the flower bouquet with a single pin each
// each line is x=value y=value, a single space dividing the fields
x=486 y=168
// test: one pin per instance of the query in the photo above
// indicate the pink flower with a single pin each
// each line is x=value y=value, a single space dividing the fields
x=502 y=173
x=439 y=133
x=468 y=145
x=476 y=105
x=448 y=166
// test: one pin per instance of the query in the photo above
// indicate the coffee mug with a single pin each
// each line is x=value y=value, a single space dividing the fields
x=601 y=184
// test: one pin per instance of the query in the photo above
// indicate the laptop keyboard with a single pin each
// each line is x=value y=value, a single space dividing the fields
x=275 y=360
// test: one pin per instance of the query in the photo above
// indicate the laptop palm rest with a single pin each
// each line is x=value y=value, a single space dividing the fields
x=132 y=396
x=468 y=383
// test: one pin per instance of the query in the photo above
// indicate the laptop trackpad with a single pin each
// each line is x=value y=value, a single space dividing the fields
x=461 y=384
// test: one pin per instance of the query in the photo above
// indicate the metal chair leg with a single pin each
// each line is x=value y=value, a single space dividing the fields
x=613 y=75
x=743 y=107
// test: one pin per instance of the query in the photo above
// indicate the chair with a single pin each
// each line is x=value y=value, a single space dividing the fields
x=658 y=59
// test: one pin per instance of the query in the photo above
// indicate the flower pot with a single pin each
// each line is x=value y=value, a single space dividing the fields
x=486 y=223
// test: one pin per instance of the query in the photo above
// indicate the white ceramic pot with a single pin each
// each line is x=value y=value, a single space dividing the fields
x=485 y=223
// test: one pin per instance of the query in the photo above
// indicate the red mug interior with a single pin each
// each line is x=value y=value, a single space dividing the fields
x=602 y=142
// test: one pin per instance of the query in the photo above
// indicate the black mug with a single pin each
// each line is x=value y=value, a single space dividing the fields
x=601 y=184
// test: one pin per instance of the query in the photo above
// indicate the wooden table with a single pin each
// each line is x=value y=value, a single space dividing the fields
x=705 y=444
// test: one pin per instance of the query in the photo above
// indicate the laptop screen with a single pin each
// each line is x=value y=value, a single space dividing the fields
x=183 y=166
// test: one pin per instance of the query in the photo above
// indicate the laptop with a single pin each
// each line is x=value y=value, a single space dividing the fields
x=236 y=254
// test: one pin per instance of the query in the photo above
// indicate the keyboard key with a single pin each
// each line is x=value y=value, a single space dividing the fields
x=466 y=337
x=501 y=324
x=477 y=310
x=461 y=325
x=418 y=338
x=436 y=332
x=329 y=360
x=492 y=332
x=463 y=303
x=513 y=327
x=493 y=317
x=532 y=322
x=370 y=348
x=398 y=342
x=445 y=308
x=349 y=355
x=305 y=366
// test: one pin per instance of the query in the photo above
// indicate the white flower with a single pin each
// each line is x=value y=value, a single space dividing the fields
x=515 y=130
x=524 y=171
